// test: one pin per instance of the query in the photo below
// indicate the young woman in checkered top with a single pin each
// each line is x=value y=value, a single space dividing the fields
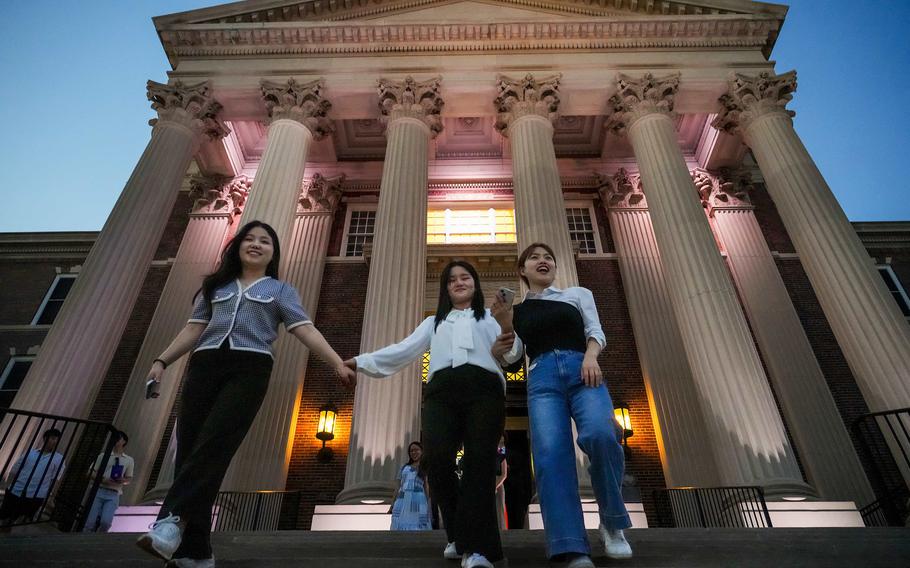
x=230 y=332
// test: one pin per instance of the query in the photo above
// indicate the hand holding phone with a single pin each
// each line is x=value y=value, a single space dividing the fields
x=507 y=295
x=151 y=388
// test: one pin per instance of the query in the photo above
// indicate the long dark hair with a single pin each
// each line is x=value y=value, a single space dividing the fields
x=445 y=302
x=230 y=267
x=420 y=468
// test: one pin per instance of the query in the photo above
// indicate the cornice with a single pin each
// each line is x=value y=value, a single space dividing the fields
x=360 y=38
x=47 y=246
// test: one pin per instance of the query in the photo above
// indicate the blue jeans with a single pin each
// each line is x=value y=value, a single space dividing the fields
x=103 y=508
x=557 y=393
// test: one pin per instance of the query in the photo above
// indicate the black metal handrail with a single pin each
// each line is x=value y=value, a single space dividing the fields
x=712 y=507
x=884 y=438
x=255 y=511
x=71 y=488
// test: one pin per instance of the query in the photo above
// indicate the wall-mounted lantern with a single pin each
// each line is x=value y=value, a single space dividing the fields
x=621 y=413
x=326 y=430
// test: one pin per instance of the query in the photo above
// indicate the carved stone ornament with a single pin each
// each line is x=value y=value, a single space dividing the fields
x=725 y=189
x=621 y=191
x=190 y=105
x=523 y=97
x=302 y=102
x=214 y=195
x=322 y=195
x=410 y=99
x=640 y=97
x=753 y=96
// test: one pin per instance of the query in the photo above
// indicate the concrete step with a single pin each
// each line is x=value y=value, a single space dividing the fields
x=666 y=548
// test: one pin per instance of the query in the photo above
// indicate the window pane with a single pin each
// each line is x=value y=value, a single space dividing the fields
x=49 y=314
x=581 y=229
x=16 y=375
x=360 y=232
x=64 y=284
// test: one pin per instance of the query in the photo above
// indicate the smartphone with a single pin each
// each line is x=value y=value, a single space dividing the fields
x=151 y=389
x=508 y=295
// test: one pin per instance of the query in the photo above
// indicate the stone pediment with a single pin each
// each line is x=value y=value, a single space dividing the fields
x=276 y=11
x=340 y=28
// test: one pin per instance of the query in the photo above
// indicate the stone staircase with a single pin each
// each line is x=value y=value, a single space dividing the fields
x=671 y=548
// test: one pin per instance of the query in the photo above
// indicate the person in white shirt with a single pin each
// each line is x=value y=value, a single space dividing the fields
x=117 y=473
x=31 y=479
x=464 y=404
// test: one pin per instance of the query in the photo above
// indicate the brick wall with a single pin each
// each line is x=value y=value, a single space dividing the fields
x=622 y=371
x=342 y=285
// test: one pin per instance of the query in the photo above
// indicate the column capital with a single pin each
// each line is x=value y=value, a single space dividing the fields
x=410 y=99
x=300 y=102
x=725 y=190
x=322 y=195
x=638 y=97
x=622 y=190
x=752 y=96
x=526 y=97
x=191 y=106
x=216 y=195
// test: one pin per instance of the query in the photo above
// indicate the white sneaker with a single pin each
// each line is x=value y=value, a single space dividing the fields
x=580 y=561
x=163 y=538
x=475 y=561
x=450 y=553
x=615 y=543
x=191 y=563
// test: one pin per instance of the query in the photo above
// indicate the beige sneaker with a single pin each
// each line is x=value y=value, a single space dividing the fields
x=615 y=544
x=163 y=538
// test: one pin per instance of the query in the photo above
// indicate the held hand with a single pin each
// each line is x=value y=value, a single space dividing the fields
x=590 y=372
x=351 y=364
x=347 y=375
x=502 y=312
x=502 y=345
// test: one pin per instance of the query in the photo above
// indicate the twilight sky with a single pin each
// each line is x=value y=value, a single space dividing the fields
x=74 y=111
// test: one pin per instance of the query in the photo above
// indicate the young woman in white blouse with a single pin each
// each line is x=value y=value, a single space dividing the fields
x=464 y=404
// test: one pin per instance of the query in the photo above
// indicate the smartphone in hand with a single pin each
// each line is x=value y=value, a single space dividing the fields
x=508 y=295
x=151 y=389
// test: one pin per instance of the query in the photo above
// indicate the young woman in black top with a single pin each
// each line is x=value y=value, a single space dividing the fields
x=561 y=332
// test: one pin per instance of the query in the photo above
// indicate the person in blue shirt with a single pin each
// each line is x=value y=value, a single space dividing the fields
x=231 y=331
x=464 y=404
x=562 y=334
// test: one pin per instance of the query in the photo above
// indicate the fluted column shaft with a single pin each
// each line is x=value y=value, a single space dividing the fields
x=276 y=188
x=261 y=462
x=828 y=457
x=745 y=429
x=387 y=411
x=870 y=329
x=75 y=355
x=680 y=424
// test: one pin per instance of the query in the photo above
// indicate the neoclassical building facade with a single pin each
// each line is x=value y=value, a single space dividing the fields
x=649 y=143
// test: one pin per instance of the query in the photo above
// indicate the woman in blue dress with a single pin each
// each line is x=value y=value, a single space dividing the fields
x=411 y=510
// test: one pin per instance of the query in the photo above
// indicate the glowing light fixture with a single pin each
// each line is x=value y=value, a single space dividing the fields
x=326 y=430
x=621 y=413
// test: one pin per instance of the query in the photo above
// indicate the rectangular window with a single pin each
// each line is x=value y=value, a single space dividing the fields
x=11 y=379
x=581 y=229
x=470 y=226
x=360 y=232
x=894 y=286
x=54 y=298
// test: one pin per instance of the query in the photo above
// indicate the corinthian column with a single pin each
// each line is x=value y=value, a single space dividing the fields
x=869 y=327
x=297 y=114
x=387 y=412
x=748 y=437
x=526 y=110
x=681 y=430
x=217 y=202
x=75 y=355
x=828 y=457
x=261 y=463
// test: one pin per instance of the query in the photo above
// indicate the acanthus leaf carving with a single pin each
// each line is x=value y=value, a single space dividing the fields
x=412 y=99
x=526 y=96
x=725 y=189
x=302 y=102
x=622 y=190
x=322 y=195
x=219 y=195
x=752 y=96
x=639 y=97
x=190 y=105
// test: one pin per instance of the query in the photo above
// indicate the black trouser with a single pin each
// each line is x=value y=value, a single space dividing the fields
x=221 y=396
x=465 y=405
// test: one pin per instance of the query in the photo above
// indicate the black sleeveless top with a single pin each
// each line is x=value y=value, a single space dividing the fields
x=545 y=325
